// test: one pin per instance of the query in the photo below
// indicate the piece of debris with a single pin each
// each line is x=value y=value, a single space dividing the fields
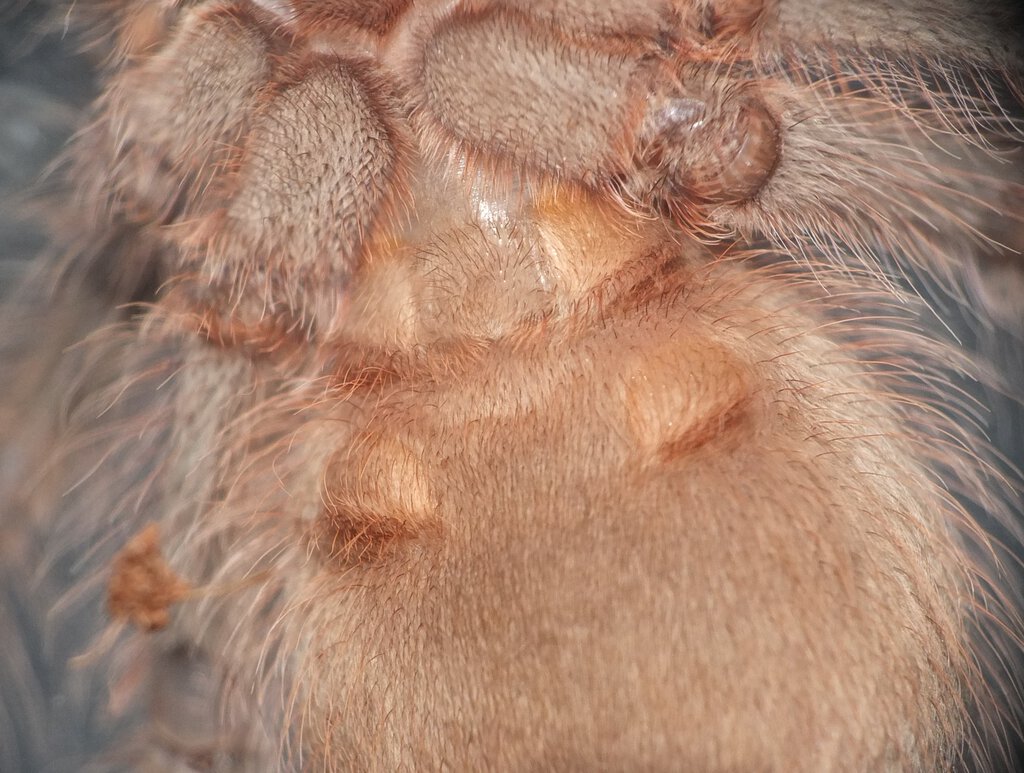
x=142 y=586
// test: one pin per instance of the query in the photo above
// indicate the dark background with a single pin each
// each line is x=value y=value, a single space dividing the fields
x=44 y=84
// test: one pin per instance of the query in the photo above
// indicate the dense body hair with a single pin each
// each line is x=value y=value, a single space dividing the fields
x=521 y=386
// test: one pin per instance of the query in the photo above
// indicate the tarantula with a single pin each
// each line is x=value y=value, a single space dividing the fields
x=527 y=385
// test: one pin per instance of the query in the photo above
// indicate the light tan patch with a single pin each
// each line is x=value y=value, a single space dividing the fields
x=684 y=395
x=376 y=495
x=589 y=240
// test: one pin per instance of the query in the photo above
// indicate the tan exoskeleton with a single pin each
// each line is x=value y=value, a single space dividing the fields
x=530 y=385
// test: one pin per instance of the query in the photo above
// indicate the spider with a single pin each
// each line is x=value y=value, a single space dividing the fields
x=532 y=385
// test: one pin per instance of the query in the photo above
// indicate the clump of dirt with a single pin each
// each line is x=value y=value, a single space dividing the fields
x=142 y=586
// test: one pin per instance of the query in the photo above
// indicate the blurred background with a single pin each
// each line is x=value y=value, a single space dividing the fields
x=45 y=82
